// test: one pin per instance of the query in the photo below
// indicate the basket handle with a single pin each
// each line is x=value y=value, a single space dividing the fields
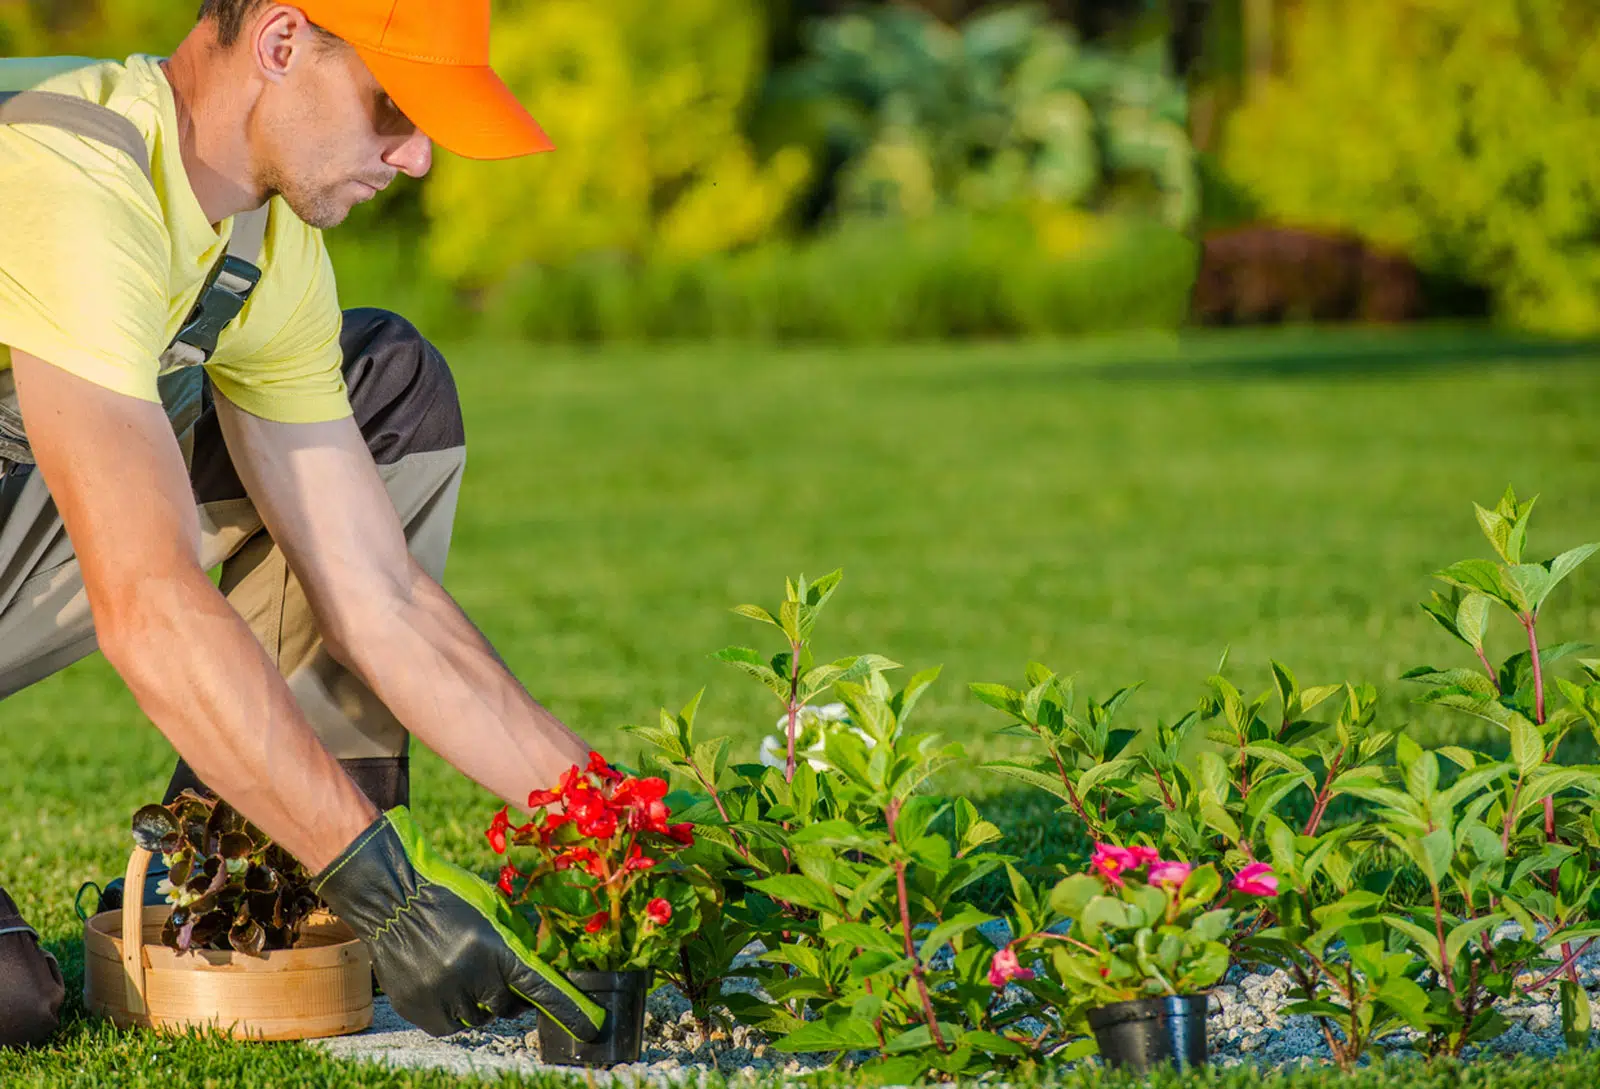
x=133 y=930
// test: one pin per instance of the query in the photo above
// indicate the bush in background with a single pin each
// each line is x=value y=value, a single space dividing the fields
x=1460 y=132
x=1007 y=109
x=646 y=105
x=1057 y=272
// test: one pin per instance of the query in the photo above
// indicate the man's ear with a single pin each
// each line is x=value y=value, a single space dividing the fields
x=279 y=38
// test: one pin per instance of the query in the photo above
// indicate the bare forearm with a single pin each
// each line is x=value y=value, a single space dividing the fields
x=200 y=675
x=438 y=674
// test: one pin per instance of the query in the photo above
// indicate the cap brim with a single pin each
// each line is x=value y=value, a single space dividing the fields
x=465 y=109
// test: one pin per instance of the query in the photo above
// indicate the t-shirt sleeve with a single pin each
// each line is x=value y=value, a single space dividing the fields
x=83 y=265
x=296 y=375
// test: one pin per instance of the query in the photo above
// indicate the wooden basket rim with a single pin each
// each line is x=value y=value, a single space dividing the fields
x=121 y=933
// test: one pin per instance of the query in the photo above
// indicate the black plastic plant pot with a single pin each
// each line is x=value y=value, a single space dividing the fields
x=1149 y=1032
x=621 y=1039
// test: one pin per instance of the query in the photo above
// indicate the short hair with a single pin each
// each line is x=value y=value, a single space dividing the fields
x=229 y=15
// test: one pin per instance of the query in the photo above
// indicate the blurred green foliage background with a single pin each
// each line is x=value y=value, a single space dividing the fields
x=825 y=170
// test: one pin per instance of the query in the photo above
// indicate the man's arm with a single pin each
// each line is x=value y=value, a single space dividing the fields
x=382 y=616
x=117 y=477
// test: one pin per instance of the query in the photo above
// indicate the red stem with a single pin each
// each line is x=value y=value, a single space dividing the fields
x=1444 y=957
x=794 y=707
x=1569 y=963
x=1324 y=795
x=1487 y=668
x=1528 y=622
x=1166 y=795
x=892 y=813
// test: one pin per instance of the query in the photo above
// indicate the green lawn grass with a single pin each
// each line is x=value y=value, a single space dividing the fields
x=1123 y=510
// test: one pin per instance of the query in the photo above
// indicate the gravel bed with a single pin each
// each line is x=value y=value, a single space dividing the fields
x=1245 y=1025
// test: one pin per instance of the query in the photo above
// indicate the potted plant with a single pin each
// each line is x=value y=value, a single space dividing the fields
x=243 y=944
x=604 y=874
x=1146 y=943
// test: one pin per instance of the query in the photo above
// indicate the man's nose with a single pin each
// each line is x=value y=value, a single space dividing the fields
x=413 y=157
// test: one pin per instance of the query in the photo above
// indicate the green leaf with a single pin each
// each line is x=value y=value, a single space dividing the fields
x=793 y=888
x=1564 y=564
x=1421 y=940
x=842 y=1033
x=1576 y=1018
x=1530 y=584
x=1472 y=619
x=1479 y=576
x=867 y=937
x=1527 y=746
x=1422 y=777
x=992 y=1043
x=756 y=612
x=1071 y=895
x=959 y=923
x=748 y=661
x=1456 y=940
x=999 y=696
x=1437 y=848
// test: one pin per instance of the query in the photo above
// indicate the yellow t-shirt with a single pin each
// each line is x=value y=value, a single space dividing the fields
x=98 y=270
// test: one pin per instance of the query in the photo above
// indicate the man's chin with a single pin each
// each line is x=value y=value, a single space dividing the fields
x=323 y=212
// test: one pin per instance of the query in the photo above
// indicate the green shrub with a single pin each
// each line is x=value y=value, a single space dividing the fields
x=1005 y=110
x=951 y=275
x=1460 y=131
x=645 y=106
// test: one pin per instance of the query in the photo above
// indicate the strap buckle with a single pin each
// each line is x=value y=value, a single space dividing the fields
x=226 y=290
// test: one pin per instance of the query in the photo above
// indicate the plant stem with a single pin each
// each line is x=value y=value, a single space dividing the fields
x=1487 y=668
x=1438 y=925
x=892 y=813
x=1529 y=620
x=1511 y=811
x=716 y=796
x=1072 y=795
x=1325 y=794
x=1166 y=795
x=794 y=707
x=1569 y=963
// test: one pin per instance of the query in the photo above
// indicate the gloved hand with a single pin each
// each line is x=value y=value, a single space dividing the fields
x=448 y=949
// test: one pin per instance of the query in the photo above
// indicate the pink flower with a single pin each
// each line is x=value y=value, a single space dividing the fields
x=1005 y=967
x=1144 y=856
x=1110 y=861
x=1256 y=879
x=659 y=911
x=1170 y=875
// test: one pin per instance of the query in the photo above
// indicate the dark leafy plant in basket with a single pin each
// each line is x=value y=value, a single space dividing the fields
x=230 y=886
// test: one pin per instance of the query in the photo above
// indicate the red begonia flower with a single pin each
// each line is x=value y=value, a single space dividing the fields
x=497 y=831
x=683 y=833
x=597 y=923
x=508 y=874
x=541 y=798
x=637 y=861
x=598 y=766
x=658 y=911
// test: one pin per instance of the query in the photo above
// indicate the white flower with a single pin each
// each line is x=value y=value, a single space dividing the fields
x=813 y=727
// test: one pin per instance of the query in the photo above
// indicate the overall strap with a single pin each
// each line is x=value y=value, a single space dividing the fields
x=235 y=275
x=75 y=115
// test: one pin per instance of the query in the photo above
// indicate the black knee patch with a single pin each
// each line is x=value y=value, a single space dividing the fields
x=401 y=388
x=401 y=391
x=31 y=987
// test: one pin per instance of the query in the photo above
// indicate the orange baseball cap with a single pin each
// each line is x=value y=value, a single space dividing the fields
x=432 y=58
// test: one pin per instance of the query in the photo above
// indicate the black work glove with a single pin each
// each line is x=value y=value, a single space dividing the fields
x=448 y=949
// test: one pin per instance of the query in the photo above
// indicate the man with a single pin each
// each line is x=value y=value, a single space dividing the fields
x=318 y=461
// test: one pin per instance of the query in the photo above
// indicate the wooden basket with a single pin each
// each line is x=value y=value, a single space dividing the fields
x=321 y=987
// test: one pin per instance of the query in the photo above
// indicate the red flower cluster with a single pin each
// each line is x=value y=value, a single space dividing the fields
x=596 y=821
